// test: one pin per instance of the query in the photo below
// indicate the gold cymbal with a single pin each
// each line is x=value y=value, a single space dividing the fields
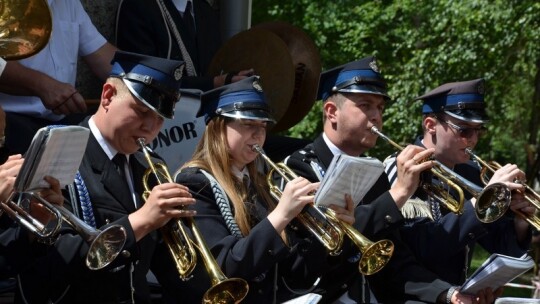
x=307 y=66
x=268 y=55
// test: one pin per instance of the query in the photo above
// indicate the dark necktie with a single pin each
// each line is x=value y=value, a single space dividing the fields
x=188 y=21
x=120 y=161
x=245 y=181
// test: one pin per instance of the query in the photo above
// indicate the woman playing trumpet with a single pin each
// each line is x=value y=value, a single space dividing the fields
x=248 y=233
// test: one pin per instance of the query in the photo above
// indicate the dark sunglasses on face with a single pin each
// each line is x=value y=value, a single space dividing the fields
x=466 y=132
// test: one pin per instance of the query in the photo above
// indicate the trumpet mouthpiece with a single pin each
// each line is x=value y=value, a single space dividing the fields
x=374 y=130
x=141 y=141
x=256 y=148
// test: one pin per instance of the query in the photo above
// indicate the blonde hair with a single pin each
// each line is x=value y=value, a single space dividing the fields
x=212 y=155
x=121 y=87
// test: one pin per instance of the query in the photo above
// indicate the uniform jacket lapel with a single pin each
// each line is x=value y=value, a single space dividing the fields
x=323 y=152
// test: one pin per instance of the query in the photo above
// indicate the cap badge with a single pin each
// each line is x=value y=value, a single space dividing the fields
x=178 y=73
x=373 y=66
x=257 y=86
x=480 y=88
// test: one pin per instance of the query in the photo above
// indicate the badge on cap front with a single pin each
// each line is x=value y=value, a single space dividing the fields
x=373 y=66
x=178 y=73
x=480 y=87
x=257 y=86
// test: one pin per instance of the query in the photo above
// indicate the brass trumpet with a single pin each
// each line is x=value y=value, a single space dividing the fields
x=104 y=245
x=492 y=213
x=182 y=248
x=330 y=230
x=446 y=175
x=496 y=194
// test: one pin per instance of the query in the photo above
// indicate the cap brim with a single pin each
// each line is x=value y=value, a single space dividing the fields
x=254 y=114
x=365 y=89
x=161 y=103
x=469 y=115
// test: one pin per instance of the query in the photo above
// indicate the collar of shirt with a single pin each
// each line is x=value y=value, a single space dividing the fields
x=109 y=150
x=181 y=5
x=333 y=148
x=240 y=174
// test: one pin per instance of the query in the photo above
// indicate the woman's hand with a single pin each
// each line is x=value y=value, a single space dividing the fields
x=297 y=194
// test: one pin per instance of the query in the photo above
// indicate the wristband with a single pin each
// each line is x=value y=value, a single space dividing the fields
x=449 y=294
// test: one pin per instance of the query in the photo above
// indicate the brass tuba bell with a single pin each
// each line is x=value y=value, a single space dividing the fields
x=25 y=28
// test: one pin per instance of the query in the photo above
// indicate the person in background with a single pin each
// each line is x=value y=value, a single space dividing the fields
x=45 y=93
x=139 y=94
x=454 y=119
x=17 y=245
x=187 y=30
x=354 y=96
x=247 y=232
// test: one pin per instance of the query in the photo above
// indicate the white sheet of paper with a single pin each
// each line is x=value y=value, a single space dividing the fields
x=348 y=175
x=58 y=154
x=310 y=298
x=496 y=271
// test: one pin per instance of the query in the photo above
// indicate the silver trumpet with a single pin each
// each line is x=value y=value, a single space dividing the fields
x=104 y=245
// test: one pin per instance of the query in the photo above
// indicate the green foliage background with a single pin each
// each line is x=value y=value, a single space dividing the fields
x=422 y=44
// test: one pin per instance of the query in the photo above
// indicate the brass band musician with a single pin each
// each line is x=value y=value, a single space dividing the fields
x=454 y=118
x=138 y=95
x=354 y=96
x=245 y=229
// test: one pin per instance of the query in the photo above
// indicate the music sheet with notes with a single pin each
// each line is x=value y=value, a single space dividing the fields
x=496 y=271
x=56 y=152
x=348 y=174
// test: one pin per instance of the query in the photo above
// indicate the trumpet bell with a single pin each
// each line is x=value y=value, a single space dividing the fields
x=228 y=291
x=105 y=247
x=492 y=202
x=376 y=256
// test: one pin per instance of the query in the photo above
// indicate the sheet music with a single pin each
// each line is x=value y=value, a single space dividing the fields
x=56 y=152
x=310 y=298
x=496 y=271
x=348 y=174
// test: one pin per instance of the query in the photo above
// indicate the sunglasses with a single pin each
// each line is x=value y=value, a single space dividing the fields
x=466 y=132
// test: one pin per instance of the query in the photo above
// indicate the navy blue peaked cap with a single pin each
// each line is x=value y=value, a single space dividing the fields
x=243 y=99
x=154 y=81
x=462 y=100
x=361 y=76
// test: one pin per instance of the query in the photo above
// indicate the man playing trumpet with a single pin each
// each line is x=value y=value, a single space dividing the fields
x=139 y=94
x=453 y=121
x=354 y=96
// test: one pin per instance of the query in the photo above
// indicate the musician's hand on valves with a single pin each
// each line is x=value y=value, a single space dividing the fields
x=166 y=201
x=410 y=164
x=8 y=175
x=52 y=195
x=297 y=193
x=346 y=213
x=510 y=175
